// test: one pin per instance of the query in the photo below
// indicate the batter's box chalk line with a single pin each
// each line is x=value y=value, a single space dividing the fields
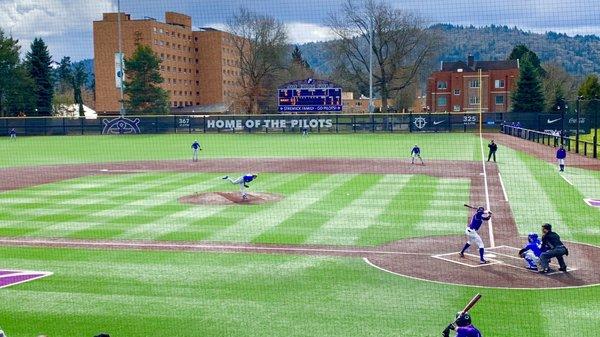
x=490 y=261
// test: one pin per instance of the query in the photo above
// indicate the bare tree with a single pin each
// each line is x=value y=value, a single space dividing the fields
x=261 y=42
x=559 y=87
x=401 y=45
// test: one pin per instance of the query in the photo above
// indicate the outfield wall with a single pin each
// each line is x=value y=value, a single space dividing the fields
x=293 y=123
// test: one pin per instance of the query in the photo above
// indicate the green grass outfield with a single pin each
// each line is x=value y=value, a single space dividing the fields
x=191 y=294
x=27 y=151
x=339 y=209
x=134 y=293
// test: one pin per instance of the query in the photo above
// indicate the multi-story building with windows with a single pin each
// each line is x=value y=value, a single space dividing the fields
x=457 y=86
x=199 y=67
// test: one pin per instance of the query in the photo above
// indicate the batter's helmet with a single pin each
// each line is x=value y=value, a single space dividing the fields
x=463 y=319
x=480 y=210
x=532 y=237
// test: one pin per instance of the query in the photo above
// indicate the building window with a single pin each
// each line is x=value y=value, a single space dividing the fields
x=442 y=101
x=499 y=83
x=456 y=108
x=440 y=84
x=456 y=92
x=499 y=99
x=474 y=84
x=474 y=100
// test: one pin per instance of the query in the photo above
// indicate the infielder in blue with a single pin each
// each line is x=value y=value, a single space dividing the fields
x=195 y=148
x=472 y=236
x=416 y=152
x=243 y=182
x=531 y=252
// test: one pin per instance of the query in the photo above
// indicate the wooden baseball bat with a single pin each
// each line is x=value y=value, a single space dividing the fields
x=469 y=206
x=471 y=303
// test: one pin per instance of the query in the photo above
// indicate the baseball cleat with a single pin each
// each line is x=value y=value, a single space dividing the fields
x=484 y=261
x=461 y=255
x=563 y=269
x=531 y=268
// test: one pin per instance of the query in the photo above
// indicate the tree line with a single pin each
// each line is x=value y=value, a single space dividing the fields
x=33 y=86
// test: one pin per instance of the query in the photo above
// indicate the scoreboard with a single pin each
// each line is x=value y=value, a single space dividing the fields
x=310 y=95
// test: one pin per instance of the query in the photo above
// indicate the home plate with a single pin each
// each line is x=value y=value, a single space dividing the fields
x=490 y=255
x=104 y=170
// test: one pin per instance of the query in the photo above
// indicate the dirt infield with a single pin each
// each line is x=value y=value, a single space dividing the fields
x=230 y=198
x=543 y=152
x=435 y=258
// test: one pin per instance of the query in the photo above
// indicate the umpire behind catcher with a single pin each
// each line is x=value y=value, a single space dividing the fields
x=552 y=247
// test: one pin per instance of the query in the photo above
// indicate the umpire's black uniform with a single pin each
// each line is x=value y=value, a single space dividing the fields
x=493 y=148
x=552 y=247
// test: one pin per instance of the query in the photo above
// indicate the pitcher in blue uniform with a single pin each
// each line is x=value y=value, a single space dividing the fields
x=462 y=326
x=243 y=182
x=472 y=236
x=195 y=148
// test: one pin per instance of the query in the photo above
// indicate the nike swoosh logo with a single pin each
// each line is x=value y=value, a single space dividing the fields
x=438 y=123
x=550 y=121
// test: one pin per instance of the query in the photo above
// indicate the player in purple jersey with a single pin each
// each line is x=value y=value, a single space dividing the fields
x=463 y=327
x=243 y=182
x=472 y=236
x=531 y=252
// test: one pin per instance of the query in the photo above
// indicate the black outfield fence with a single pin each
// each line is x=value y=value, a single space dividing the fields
x=572 y=144
x=280 y=123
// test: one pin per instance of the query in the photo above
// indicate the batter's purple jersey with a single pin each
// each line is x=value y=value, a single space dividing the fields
x=477 y=221
x=467 y=331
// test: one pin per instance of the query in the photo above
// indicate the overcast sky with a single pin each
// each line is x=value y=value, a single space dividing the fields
x=66 y=25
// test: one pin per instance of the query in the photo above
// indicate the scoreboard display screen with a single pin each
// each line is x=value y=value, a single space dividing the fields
x=310 y=96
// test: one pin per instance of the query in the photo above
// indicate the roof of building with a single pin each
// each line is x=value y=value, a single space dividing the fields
x=483 y=65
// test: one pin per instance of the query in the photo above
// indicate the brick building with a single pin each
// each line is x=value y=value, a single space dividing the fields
x=200 y=67
x=456 y=86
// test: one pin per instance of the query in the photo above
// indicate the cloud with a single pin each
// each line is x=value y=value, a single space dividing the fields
x=302 y=32
x=298 y=32
x=57 y=22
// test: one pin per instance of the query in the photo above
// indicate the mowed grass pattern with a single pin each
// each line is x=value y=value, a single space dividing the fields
x=338 y=209
x=133 y=293
x=538 y=193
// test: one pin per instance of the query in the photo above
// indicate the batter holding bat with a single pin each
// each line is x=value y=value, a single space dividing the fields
x=472 y=236
x=462 y=323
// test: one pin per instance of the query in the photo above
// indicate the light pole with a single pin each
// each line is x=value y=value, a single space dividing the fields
x=120 y=72
x=371 y=107
x=577 y=107
x=595 y=127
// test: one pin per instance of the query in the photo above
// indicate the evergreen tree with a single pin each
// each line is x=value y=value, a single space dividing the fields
x=299 y=68
x=144 y=96
x=521 y=52
x=528 y=97
x=38 y=62
x=9 y=61
x=79 y=79
x=19 y=99
x=65 y=74
x=559 y=103
x=590 y=88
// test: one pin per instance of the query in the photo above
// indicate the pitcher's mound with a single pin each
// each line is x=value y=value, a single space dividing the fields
x=229 y=198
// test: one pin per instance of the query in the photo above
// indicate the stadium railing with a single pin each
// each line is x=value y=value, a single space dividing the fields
x=585 y=148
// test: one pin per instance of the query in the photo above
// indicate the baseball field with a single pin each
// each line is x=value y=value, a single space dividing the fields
x=341 y=236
